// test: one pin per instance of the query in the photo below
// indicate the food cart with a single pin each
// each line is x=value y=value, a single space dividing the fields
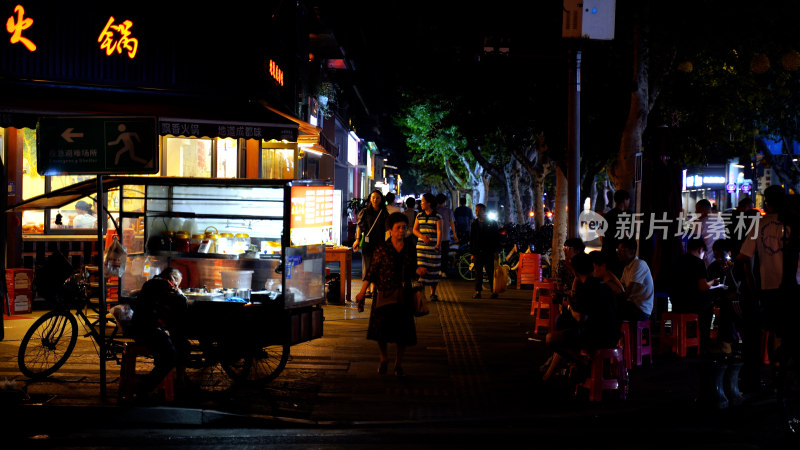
x=252 y=254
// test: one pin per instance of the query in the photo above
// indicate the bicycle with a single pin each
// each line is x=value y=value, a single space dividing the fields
x=217 y=360
x=464 y=265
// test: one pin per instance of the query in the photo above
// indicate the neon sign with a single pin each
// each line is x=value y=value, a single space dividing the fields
x=124 y=42
x=275 y=72
x=17 y=27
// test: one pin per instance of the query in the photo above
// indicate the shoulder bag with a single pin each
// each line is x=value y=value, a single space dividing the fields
x=365 y=237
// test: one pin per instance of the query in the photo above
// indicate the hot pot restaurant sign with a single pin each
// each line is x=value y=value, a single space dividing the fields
x=311 y=215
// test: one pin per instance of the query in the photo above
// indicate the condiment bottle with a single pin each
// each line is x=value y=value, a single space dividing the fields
x=181 y=242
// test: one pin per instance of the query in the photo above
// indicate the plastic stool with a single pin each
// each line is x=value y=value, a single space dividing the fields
x=127 y=373
x=545 y=316
x=625 y=342
x=679 y=339
x=642 y=343
x=539 y=286
x=607 y=372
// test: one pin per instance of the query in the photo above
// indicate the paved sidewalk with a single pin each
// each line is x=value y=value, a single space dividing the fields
x=476 y=362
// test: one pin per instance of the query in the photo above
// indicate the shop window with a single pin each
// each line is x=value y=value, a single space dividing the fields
x=33 y=184
x=227 y=158
x=277 y=163
x=187 y=157
x=202 y=158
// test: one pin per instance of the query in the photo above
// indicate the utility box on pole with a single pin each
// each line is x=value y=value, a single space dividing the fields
x=590 y=19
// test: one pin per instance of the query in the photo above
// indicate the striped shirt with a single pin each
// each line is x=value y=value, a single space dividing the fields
x=427 y=255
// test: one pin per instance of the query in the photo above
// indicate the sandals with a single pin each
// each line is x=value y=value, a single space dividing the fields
x=476 y=295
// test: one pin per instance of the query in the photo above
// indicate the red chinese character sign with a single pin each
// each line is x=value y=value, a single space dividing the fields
x=16 y=25
x=117 y=38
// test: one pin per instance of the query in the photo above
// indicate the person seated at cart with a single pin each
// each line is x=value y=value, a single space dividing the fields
x=159 y=323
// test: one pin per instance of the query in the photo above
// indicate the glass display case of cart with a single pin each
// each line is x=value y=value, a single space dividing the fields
x=244 y=240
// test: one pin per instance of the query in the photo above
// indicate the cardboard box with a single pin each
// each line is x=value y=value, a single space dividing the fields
x=19 y=279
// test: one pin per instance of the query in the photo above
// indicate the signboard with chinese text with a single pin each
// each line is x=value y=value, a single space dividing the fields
x=97 y=145
x=311 y=215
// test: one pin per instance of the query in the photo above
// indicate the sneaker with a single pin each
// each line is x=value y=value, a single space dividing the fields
x=476 y=295
x=494 y=295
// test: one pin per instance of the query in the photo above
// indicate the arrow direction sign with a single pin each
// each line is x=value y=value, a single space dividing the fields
x=68 y=135
x=97 y=145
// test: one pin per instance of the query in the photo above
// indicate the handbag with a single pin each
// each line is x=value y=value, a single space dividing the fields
x=501 y=279
x=419 y=302
x=383 y=298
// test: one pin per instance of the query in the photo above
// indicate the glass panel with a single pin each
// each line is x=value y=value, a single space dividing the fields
x=187 y=157
x=227 y=160
x=277 y=163
x=305 y=274
x=80 y=215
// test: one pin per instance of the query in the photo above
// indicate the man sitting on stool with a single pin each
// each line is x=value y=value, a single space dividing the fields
x=159 y=323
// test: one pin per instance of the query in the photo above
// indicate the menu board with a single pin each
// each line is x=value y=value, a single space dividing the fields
x=311 y=215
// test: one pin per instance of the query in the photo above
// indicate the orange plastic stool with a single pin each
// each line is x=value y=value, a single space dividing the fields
x=606 y=373
x=625 y=342
x=642 y=343
x=128 y=378
x=538 y=286
x=545 y=317
x=678 y=339
x=529 y=270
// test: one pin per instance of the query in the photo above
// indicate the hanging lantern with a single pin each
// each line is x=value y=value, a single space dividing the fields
x=790 y=60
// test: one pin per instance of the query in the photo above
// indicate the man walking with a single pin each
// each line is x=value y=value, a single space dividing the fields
x=484 y=243
x=609 y=240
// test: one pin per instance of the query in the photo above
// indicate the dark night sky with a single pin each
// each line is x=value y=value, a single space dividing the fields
x=397 y=43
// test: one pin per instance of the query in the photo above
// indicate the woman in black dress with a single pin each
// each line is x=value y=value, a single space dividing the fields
x=391 y=319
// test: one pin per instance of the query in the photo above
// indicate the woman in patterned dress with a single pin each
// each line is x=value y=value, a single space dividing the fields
x=391 y=317
x=428 y=230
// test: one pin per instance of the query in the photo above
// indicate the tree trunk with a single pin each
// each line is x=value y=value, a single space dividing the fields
x=624 y=169
x=559 y=219
x=513 y=176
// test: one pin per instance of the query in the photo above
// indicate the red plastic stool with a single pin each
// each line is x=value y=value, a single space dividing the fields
x=545 y=318
x=606 y=373
x=678 y=339
x=128 y=378
x=625 y=342
x=642 y=343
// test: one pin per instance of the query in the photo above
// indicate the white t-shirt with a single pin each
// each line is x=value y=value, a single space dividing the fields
x=447 y=219
x=84 y=221
x=768 y=243
x=638 y=284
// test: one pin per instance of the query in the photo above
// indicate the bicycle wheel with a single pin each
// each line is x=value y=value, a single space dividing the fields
x=210 y=368
x=464 y=269
x=47 y=344
x=267 y=362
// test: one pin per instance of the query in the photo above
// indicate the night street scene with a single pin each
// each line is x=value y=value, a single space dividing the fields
x=381 y=224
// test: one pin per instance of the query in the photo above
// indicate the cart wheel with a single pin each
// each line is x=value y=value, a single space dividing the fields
x=267 y=363
x=212 y=369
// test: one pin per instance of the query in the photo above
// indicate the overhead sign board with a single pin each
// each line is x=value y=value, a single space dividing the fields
x=589 y=19
x=97 y=145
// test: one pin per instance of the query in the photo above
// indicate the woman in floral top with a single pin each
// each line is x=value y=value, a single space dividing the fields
x=391 y=317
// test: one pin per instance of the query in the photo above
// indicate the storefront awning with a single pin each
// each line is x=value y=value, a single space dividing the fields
x=21 y=106
x=69 y=194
